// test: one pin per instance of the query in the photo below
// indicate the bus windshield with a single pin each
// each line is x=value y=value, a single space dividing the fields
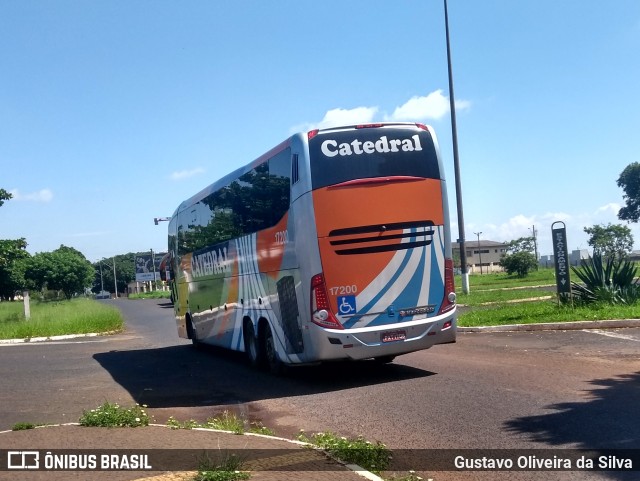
x=338 y=156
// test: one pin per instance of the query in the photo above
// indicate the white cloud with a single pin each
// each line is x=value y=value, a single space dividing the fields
x=434 y=106
x=514 y=228
x=611 y=208
x=185 y=174
x=339 y=117
x=43 y=195
x=521 y=225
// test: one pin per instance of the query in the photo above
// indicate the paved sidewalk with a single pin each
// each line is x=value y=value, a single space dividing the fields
x=267 y=458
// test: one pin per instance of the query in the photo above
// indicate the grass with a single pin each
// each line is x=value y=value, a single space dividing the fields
x=23 y=426
x=227 y=421
x=499 y=280
x=374 y=457
x=112 y=415
x=227 y=468
x=492 y=301
x=544 y=311
x=77 y=316
x=151 y=295
x=478 y=297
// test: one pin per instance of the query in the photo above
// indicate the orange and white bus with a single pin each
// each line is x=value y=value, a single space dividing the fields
x=333 y=245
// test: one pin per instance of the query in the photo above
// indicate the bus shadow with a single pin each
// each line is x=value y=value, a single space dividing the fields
x=607 y=421
x=182 y=376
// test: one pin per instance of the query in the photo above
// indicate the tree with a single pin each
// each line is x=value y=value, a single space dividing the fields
x=125 y=273
x=4 y=195
x=13 y=253
x=519 y=259
x=629 y=181
x=64 y=269
x=612 y=240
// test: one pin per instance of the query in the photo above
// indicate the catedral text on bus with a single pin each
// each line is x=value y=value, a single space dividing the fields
x=333 y=245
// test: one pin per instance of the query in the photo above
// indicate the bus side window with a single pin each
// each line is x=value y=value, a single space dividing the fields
x=280 y=184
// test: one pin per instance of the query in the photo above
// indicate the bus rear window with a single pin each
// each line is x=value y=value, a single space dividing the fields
x=340 y=156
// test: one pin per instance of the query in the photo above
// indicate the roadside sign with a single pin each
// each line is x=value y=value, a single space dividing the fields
x=145 y=268
x=561 y=259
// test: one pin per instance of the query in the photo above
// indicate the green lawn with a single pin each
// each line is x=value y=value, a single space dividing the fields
x=478 y=297
x=543 y=311
x=498 y=299
x=77 y=316
x=543 y=276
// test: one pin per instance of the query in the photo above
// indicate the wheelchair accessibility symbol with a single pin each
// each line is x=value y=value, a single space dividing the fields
x=346 y=305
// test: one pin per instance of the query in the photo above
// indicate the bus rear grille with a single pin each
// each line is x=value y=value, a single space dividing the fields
x=370 y=239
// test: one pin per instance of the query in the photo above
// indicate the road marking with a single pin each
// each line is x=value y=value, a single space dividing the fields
x=611 y=334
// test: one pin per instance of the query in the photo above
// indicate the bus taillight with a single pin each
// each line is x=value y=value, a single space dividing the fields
x=320 y=310
x=449 y=301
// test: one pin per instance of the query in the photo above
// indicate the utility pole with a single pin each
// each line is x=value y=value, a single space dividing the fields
x=456 y=162
x=479 y=251
x=115 y=281
x=535 y=244
x=153 y=263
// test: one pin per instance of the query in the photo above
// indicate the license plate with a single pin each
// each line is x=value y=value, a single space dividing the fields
x=393 y=336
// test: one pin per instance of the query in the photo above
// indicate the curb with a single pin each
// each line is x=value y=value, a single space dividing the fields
x=65 y=337
x=556 y=326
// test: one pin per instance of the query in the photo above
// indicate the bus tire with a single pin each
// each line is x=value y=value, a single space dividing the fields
x=191 y=332
x=251 y=345
x=273 y=362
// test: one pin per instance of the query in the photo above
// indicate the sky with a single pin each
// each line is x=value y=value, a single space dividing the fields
x=114 y=112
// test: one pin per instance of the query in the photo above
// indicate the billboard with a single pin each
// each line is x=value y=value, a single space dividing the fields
x=145 y=268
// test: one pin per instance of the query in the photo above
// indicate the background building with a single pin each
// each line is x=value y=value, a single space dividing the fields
x=485 y=253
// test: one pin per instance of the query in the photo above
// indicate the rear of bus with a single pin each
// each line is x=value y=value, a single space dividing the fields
x=386 y=282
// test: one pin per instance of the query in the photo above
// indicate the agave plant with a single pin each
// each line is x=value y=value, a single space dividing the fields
x=610 y=280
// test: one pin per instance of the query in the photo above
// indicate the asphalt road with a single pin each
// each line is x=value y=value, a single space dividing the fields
x=551 y=389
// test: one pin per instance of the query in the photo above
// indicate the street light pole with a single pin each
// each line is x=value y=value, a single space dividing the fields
x=456 y=162
x=115 y=281
x=535 y=244
x=153 y=263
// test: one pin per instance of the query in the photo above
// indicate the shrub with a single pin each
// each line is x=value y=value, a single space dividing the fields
x=519 y=263
x=609 y=280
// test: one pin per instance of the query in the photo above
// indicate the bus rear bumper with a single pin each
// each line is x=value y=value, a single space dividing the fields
x=389 y=340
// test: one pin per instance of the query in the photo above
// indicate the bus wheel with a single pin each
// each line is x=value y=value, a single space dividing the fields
x=384 y=359
x=191 y=332
x=273 y=362
x=251 y=344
